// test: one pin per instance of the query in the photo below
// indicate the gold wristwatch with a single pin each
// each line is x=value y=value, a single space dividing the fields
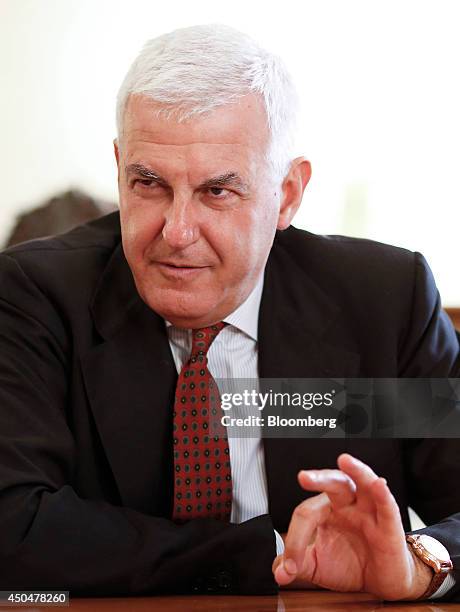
x=434 y=554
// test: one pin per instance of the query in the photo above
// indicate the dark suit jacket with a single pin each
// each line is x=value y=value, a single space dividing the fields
x=86 y=387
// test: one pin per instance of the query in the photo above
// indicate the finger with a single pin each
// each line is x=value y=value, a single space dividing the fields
x=282 y=577
x=339 y=487
x=305 y=519
x=388 y=514
x=360 y=472
x=277 y=561
x=363 y=476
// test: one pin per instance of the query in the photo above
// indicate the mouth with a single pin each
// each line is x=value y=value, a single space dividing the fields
x=179 y=270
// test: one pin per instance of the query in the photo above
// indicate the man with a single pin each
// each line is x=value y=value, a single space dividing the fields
x=112 y=334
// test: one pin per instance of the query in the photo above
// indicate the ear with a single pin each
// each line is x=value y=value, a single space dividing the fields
x=292 y=191
x=116 y=151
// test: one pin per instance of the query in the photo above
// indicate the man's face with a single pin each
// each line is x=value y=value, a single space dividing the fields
x=199 y=208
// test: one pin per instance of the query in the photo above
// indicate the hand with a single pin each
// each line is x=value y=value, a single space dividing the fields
x=350 y=537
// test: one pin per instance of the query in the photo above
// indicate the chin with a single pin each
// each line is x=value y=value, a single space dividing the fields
x=183 y=312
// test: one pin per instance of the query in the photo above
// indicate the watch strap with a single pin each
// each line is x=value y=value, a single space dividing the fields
x=434 y=585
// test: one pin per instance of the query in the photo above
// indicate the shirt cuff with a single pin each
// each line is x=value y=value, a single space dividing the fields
x=448 y=583
x=280 y=551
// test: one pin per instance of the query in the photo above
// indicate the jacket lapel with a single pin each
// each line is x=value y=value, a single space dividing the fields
x=130 y=381
x=294 y=321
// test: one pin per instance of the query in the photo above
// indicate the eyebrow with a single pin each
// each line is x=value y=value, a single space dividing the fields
x=230 y=179
x=145 y=172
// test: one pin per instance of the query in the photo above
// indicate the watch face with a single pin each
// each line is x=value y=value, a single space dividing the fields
x=433 y=547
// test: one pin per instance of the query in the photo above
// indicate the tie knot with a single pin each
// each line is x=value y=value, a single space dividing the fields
x=203 y=338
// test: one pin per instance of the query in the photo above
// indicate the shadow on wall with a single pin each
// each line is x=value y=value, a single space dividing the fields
x=57 y=215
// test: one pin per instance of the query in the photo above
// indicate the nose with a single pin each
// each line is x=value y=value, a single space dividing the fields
x=180 y=228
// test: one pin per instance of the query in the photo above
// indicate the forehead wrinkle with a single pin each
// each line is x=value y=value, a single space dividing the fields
x=229 y=153
x=152 y=141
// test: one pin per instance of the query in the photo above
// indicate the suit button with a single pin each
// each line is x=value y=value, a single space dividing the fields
x=224 y=580
x=211 y=584
x=198 y=586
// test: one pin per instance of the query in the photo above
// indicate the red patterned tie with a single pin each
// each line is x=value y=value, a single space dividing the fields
x=203 y=481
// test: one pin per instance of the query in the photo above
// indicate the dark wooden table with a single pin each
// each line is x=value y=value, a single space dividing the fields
x=287 y=601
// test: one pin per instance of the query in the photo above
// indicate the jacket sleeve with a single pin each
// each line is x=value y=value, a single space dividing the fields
x=428 y=346
x=431 y=350
x=50 y=537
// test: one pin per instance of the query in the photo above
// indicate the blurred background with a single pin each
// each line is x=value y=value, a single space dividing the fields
x=378 y=81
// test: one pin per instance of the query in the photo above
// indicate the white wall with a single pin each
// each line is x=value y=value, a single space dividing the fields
x=379 y=82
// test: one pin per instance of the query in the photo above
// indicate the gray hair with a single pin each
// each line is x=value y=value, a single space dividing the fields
x=192 y=71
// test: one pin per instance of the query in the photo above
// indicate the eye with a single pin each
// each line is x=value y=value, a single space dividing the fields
x=147 y=188
x=219 y=192
x=146 y=183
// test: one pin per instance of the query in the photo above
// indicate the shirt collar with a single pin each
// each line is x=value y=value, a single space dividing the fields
x=246 y=316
